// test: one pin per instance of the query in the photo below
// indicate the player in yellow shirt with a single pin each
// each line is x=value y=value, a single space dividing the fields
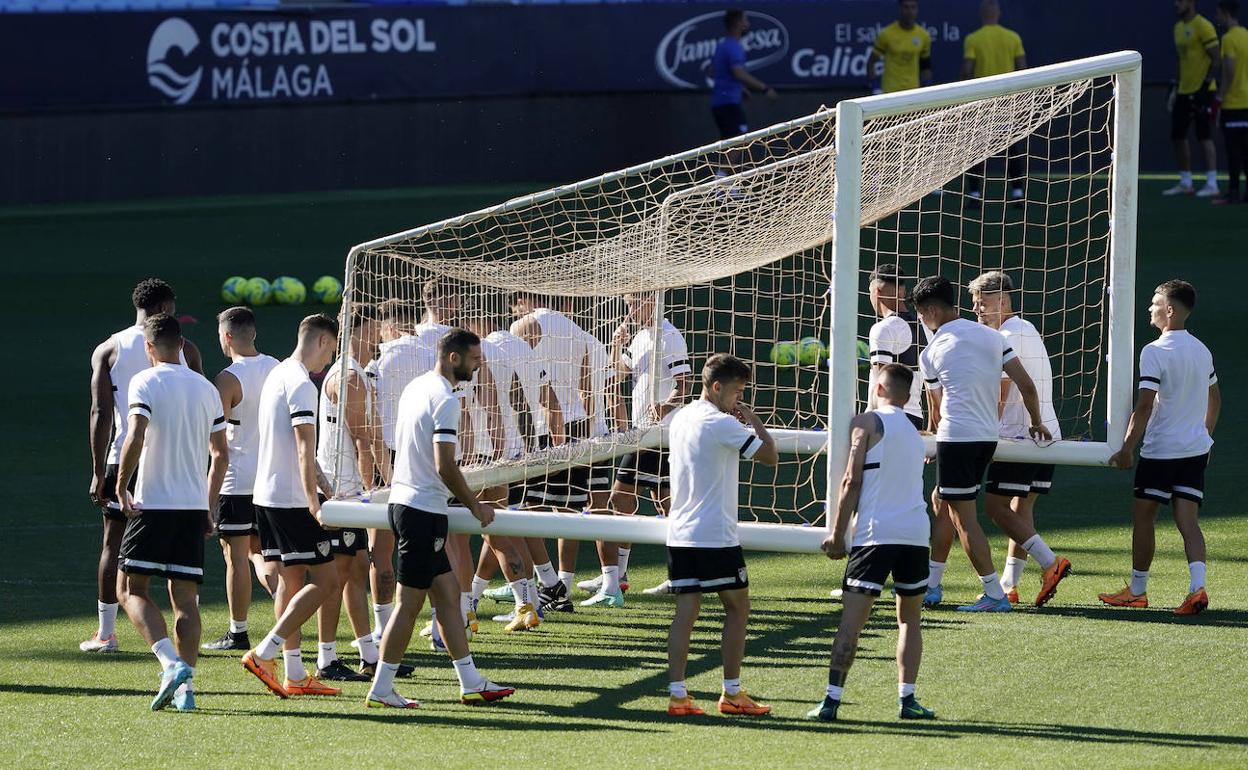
x=994 y=50
x=906 y=49
x=1192 y=100
x=1233 y=93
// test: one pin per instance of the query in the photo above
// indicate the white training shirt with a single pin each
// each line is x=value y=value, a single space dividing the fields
x=184 y=409
x=428 y=415
x=287 y=399
x=335 y=447
x=1180 y=368
x=706 y=448
x=502 y=369
x=891 y=507
x=893 y=340
x=674 y=362
x=964 y=358
x=130 y=359
x=1027 y=343
x=561 y=351
x=601 y=372
x=519 y=358
x=243 y=427
x=398 y=362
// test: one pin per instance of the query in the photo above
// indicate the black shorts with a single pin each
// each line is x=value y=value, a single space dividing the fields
x=567 y=489
x=235 y=516
x=112 y=509
x=165 y=543
x=515 y=495
x=730 y=120
x=870 y=565
x=1192 y=110
x=293 y=536
x=960 y=467
x=648 y=468
x=421 y=538
x=600 y=477
x=348 y=542
x=1019 y=479
x=703 y=570
x=1162 y=480
x=917 y=422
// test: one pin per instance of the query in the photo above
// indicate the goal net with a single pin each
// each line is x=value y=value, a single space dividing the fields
x=599 y=302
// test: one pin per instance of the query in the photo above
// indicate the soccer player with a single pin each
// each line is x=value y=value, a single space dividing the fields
x=709 y=438
x=906 y=50
x=113 y=363
x=239 y=386
x=994 y=50
x=1012 y=489
x=1191 y=99
x=962 y=368
x=1233 y=94
x=895 y=338
x=883 y=487
x=731 y=78
x=1175 y=414
x=425 y=476
x=288 y=508
x=177 y=427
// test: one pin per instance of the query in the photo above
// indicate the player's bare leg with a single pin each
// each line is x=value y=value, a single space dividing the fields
x=943 y=532
x=1143 y=546
x=1021 y=530
x=975 y=544
x=352 y=572
x=1187 y=519
x=266 y=571
x=734 y=699
x=855 y=610
x=381 y=577
x=688 y=606
x=105 y=637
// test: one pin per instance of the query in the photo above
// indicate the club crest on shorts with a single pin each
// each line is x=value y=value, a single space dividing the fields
x=438 y=543
x=741 y=575
x=323 y=548
x=348 y=538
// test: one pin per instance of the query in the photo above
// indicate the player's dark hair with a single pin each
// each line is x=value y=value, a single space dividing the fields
x=732 y=16
x=237 y=319
x=1229 y=7
x=900 y=377
x=1180 y=291
x=397 y=312
x=318 y=322
x=887 y=273
x=934 y=290
x=457 y=340
x=151 y=294
x=722 y=367
x=163 y=331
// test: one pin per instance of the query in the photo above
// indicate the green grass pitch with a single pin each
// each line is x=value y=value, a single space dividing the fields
x=1075 y=684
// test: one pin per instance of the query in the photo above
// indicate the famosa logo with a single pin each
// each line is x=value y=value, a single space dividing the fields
x=685 y=52
x=172 y=33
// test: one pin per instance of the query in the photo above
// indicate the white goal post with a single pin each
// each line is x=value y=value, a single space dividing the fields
x=779 y=228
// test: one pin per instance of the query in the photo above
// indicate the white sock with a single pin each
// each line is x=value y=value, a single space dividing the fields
x=1012 y=575
x=1139 y=581
x=566 y=578
x=935 y=573
x=546 y=573
x=368 y=649
x=1211 y=178
x=1197 y=571
x=383 y=680
x=1185 y=178
x=293 y=659
x=905 y=689
x=623 y=563
x=326 y=653
x=238 y=626
x=1040 y=551
x=992 y=586
x=611 y=580
x=530 y=592
x=479 y=584
x=519 y=592
x=465 y=606
x=835 y=692
x=470 y=678
x=165 y=653
x=677 y=689
x=732 y=686
x=269 y=645
x=381 y=616
x=108 y=618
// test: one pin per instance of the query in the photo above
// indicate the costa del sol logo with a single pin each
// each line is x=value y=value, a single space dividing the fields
x=685 y=52
x=172 y=33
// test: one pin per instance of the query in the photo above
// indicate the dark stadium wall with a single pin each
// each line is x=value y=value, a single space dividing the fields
x=128 y=155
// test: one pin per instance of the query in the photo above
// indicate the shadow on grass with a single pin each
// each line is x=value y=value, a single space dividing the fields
x=1040 y=731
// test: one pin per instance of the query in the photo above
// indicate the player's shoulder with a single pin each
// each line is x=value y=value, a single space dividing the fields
x=923 y=33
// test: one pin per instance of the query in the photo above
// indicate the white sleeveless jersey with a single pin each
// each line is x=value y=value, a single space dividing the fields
x=502 y=368
x=131 y=359
x=891 y=508
x=243 y=431
x=331 y=437
x=520 y=358
x=561 y=351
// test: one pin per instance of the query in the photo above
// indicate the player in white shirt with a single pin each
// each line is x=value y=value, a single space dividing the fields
x=176 y=429
x=239 y=386
x=113 y=363
x=426 y=474
x=1175 y=415
x=1012 y=488
x=896 y=337
x=288 y=507
x=961 y=367
x=709 y=438
x=882 y=493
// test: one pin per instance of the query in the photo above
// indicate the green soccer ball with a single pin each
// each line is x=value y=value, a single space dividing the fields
x=864 y=357
x=784 y=354
x=233 y=290
x=258 y=292
x=288 y=291
x=327 y=289
x=811 y=350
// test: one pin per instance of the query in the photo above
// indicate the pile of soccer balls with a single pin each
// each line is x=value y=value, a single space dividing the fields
x=284 y=290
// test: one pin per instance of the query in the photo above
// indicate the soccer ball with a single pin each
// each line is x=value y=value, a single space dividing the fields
x=864 y=357
x=233 y=290
x=258 y=292
x=289 y=291
x=784 y=353
x=811 y=350
x=327 y=289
